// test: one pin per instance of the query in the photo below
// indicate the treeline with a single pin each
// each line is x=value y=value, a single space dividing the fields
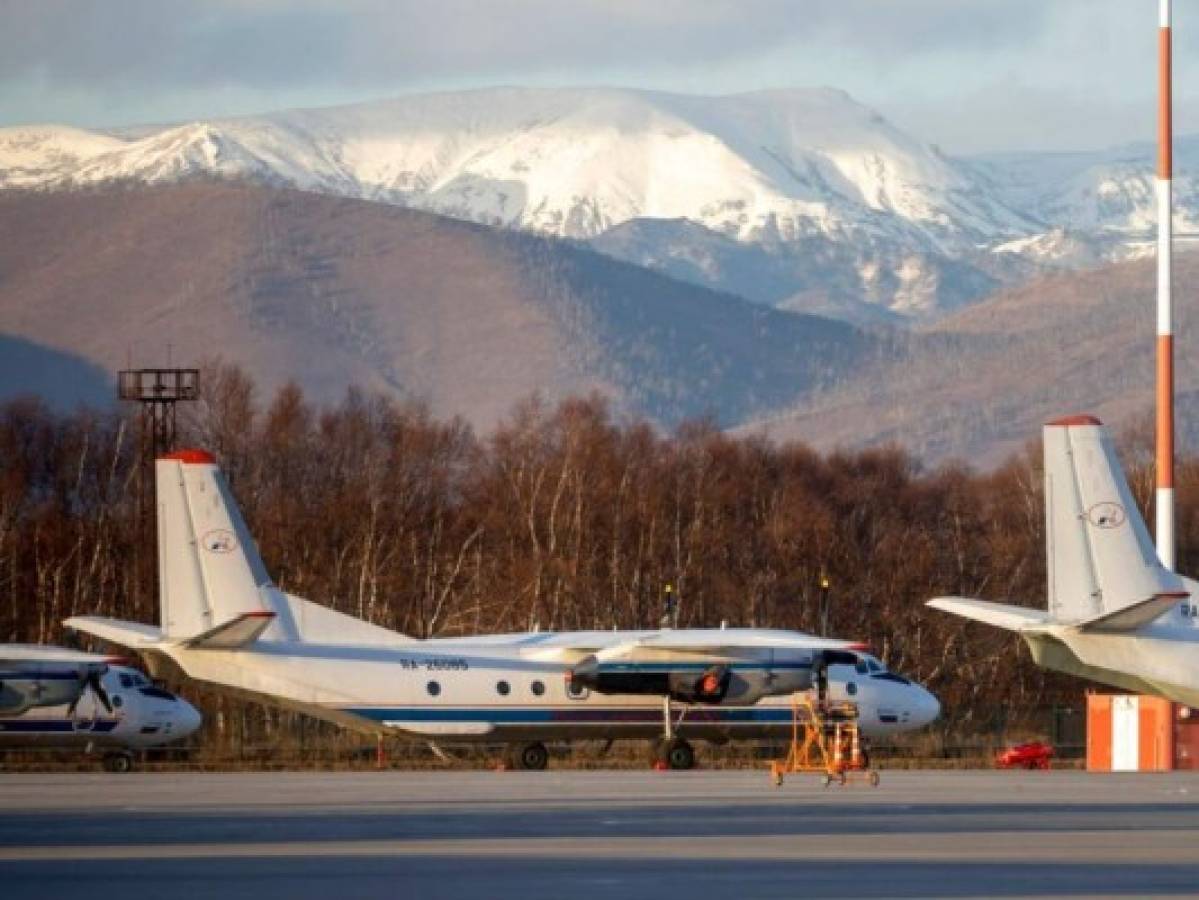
x=563 y=518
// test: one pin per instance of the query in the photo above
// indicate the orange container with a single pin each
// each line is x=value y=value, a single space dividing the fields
x=1131 y=733
x=1099 y=732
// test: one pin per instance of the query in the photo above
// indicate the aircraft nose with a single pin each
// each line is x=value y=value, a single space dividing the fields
x=189 y=719
x=928 y=707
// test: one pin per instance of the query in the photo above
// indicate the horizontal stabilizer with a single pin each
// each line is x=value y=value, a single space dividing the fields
x=116 y=631
x=1130 y=618
x=234 y=634
x=1002 y=615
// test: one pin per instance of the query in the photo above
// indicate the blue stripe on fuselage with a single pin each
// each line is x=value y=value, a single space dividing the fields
x=559 y=715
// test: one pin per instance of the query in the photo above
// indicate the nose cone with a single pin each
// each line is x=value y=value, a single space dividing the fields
x=187 y=719
x=927 y=708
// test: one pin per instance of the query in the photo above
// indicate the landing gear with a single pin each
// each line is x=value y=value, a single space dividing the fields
x=671 y=751
x=531 y=757
x=118 y=762
x=674 y=753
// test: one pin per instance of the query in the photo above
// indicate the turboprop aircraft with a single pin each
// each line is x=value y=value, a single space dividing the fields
x=52 y=697
x=225 y=623
x=1114 y=614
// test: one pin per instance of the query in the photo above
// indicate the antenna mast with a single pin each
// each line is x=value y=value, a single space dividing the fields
x=1165 y=303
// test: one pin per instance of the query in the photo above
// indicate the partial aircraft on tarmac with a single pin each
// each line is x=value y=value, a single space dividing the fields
x=1114 y=613
x=225 y=623
x=53 y=697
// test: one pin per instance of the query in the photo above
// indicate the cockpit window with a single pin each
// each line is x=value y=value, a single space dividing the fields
x=126 y=681
x=874 y=666
x=861 y=667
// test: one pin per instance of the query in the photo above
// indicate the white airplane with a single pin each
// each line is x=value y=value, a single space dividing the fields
x=1114 y=614
x=51 y=697
x=225 y=623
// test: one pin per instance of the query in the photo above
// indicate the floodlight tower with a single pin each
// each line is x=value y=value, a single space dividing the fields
x=1165 y=303
x=157 y=392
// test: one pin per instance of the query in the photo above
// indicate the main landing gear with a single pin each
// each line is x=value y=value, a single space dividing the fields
x=671 y=751
x=531 y=757
x=118 y=762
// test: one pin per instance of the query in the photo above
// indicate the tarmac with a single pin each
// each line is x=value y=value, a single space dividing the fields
x=569 y=834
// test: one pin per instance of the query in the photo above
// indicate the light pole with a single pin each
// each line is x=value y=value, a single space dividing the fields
x=824 y=592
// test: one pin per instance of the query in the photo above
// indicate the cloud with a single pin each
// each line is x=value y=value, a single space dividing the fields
x=947 y=65
x=264 y=44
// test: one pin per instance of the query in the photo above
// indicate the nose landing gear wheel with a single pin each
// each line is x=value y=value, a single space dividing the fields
x=531 y=757
x=118 y=762
x=676 y=753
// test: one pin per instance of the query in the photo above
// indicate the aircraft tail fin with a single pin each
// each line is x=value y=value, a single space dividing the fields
x=210 y=575
x=214 y=589
x=1103 y=570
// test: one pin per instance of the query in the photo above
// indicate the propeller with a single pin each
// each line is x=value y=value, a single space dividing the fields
x=90 y=678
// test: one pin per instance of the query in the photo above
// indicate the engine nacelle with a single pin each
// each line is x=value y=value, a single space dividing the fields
x=710 y=686
x=718 y=683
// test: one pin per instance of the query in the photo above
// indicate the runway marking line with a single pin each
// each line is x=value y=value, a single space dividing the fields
x=1007 y=847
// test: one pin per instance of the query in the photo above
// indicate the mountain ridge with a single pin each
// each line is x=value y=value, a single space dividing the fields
x=771 y=169
x=333 y=292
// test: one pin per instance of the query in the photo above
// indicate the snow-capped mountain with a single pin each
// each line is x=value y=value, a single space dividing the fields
x=1104 y=194
x=764 y=170
x=803 y=199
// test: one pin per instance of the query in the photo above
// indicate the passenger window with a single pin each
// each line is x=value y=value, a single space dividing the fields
x=851 y=689
x=433 y=688
x=502 y=688
x=538 y=688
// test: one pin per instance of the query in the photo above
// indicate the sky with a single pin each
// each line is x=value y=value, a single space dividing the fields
x=969 y=75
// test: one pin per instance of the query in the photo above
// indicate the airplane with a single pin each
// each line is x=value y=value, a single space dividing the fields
x=1114 y=613
x=52 y=697
x=225 y=623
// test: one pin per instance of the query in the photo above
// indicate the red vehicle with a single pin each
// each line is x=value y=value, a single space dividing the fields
x=1033 y=755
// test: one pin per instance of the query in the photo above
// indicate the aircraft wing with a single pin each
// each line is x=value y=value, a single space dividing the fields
x=13 y=655
x=682 y=643
x=728 y=642
x=1002 y=615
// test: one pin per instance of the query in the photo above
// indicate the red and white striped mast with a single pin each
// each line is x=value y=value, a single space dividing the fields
x=1165 y=302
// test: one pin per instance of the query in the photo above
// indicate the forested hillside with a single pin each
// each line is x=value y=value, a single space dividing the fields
x=564 y=518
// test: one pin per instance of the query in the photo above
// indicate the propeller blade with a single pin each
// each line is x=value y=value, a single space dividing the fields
x=93 y=681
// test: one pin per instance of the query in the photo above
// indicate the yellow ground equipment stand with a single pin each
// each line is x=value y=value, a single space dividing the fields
x=824 y=738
